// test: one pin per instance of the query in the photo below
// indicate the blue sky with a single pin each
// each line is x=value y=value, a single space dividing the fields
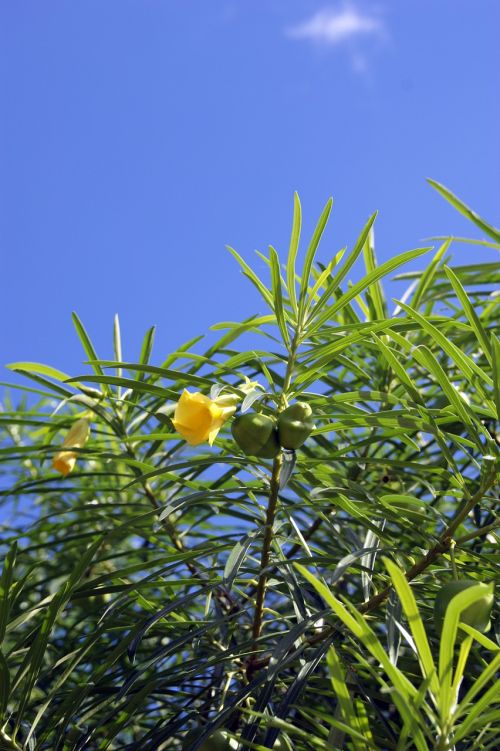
x=138 y=137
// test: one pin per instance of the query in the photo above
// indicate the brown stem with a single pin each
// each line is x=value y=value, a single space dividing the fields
x=225 y=600
x=478 y=533
x=297 y=546
x=148 y=492
x=289 y=554
x=442 y=546
x=271 y=508
x=266 y=547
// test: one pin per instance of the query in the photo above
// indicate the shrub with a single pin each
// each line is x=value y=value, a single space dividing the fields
x=162 y=588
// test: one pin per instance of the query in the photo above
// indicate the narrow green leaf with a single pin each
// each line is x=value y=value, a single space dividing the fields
x=359 y=627
x=5 y=584
x=424 y=356
x=469 y=311
x=310 y=254
x=88 y=347
x=489 y=673
x=250 y=274
x=375 y=289
x=429 y=274
x=378 y=273
x=146 y=349
x=236 y=558
x=399 y=370
x=86 y=342
x=54 y=388
x=417 y=628
x=465 y=647
x=252 y=323
x=34 y=657
x=405 y=693
x=341 y=690
x=343 y=271
x=491 y=696
x=278 y=296
x=40 y=368
x=293 y=250
x=176 y=376
x=465 y=240
x=117 y=339
x=128 y=383
x=320 y=282
x=457 y=604
x=465 y=210
x=147 y=346
x=495 y=342
x=117 y=342
x=4 y=689
x=464 y=362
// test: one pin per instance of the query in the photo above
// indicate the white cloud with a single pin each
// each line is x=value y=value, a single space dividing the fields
x=333 y=27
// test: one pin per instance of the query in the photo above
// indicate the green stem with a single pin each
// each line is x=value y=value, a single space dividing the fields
x=7 y=743
x=442 y=743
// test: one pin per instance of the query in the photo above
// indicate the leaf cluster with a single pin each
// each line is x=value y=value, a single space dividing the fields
x=160 y=588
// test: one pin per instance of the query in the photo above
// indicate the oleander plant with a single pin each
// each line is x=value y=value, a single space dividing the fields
x=285 y=538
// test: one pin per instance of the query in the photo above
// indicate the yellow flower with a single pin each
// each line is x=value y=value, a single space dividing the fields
x=198 y=418
x=77 y=437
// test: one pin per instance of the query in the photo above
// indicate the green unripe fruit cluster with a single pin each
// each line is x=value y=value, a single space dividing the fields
x=256 y=435
x=218 y=741
x=259 y=435
x=295 y=424
x=476 y=615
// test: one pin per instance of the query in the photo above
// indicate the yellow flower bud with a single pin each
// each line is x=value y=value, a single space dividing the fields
x=78 y=435
x=198 y=418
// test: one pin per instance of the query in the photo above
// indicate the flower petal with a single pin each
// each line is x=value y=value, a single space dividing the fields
x=198 y=418
x=64 y=462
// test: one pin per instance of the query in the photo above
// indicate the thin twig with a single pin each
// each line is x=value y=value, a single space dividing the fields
x=442 y=546
x=223 y=597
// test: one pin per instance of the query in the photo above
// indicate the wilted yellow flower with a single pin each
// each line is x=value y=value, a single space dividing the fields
x=198 y=418
x=77 y=437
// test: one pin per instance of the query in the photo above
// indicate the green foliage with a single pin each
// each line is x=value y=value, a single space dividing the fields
x=161 y=589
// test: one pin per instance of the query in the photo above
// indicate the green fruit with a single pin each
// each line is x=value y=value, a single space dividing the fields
x=295 y=424
x=218 y=741
x=255 y=434
x=476 y=615
x=271 y=448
